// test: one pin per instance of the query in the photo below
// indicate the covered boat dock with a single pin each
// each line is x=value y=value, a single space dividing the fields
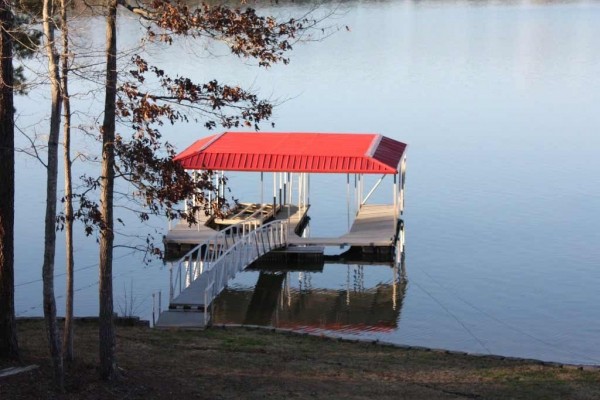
x=292 y=157
x=219 y=246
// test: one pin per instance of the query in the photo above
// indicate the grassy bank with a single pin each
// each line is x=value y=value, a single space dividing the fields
x=256 y=364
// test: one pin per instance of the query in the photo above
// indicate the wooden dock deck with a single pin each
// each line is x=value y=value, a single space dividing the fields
x=182 y=233
x=374 y=226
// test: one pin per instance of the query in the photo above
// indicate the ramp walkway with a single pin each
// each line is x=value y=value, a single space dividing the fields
x=204 y=271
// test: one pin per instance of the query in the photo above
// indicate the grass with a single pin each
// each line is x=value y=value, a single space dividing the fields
x=255 y=364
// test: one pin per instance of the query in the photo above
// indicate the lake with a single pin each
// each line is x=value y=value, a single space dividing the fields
x=498 y=102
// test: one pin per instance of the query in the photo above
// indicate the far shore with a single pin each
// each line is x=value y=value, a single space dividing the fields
x=257 y=363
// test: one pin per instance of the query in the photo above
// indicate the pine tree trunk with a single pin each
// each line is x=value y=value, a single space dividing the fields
x=9 y=347
x=51 y=184
x=108 y=362
x=68 y=352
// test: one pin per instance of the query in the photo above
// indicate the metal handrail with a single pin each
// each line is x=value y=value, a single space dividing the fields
x=207 y=251
x=222 y=260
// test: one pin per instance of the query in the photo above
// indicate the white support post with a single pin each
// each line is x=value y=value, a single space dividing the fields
x=289 y=193
x=348 y=199
x=305 y=189
x=308 y=189
x=262 y=188
x=356 y=198
x=280 y=189
x=395 y=193
x=274 y=192
x=210 y=199
x=290 y=188
x=402 y=185
x=223 y=184
x=361 y=185
x=399 y=190
x=300 y=189
x=218 y=188
x=285 y=186
x=216 y=178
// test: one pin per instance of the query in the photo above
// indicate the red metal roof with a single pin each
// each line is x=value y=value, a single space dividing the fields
x=366 y=153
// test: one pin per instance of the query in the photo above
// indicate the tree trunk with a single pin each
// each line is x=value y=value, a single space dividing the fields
x=51 y=184
x=108 y=363
x=9 y=347
x=68 y=353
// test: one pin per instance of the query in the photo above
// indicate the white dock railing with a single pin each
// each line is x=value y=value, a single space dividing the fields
x=213 y=263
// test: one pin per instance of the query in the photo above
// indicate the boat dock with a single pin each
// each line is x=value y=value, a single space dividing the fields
x=217 y=247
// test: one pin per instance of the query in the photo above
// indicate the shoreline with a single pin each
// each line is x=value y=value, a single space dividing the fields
x=136 y=321
x=582 y=367
x=231 y=362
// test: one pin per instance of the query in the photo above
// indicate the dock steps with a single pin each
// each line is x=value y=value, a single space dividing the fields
x=182 y=319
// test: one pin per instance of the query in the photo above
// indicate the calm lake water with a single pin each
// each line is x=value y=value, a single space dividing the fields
x=498 y=102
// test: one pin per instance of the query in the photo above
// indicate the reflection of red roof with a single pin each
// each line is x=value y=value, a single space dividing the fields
x=339 y=327
x=295 y=152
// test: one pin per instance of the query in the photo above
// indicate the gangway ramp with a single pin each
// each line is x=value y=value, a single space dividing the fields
x=204 y=271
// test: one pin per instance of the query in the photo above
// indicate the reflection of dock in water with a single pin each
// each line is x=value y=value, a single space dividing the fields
x=273 y=302
x=265 y=297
